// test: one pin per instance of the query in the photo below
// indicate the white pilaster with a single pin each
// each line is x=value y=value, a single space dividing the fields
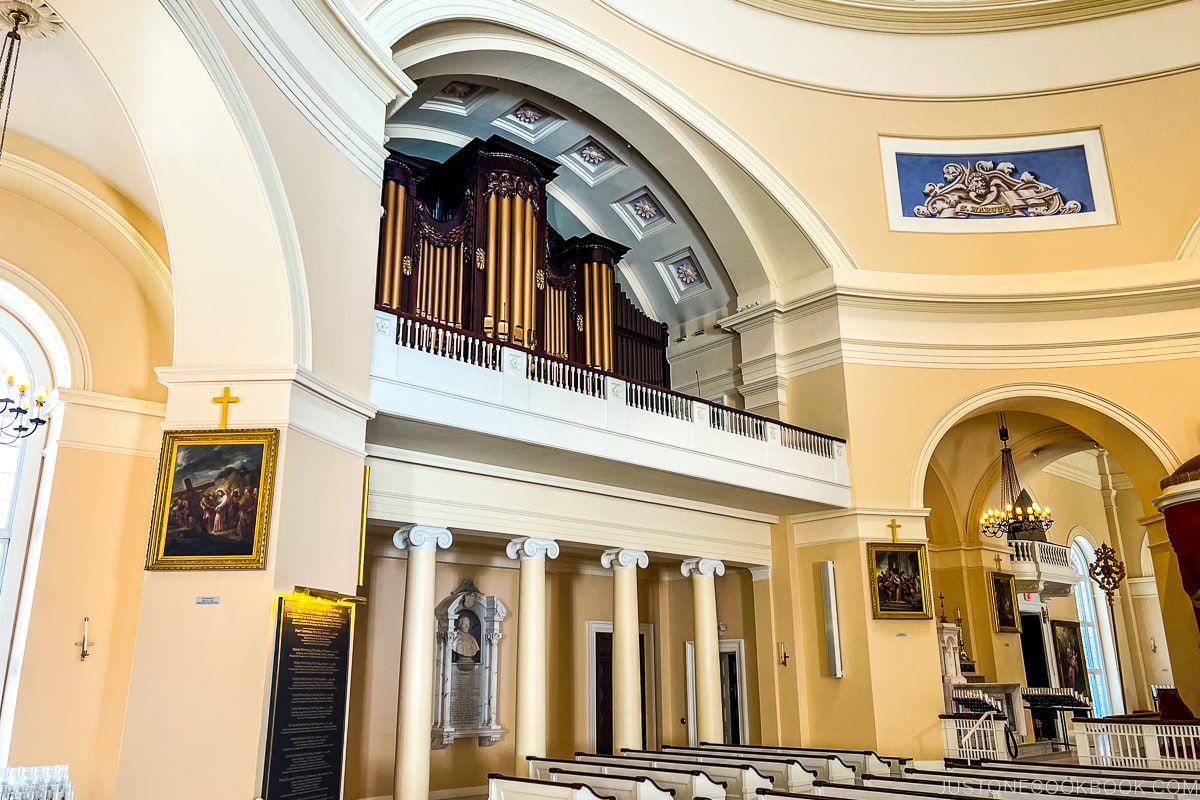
x=709 y=727
x=626 y=664
x=531 y=646
x=414 y=716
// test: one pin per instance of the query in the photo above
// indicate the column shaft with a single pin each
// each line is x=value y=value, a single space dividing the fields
x=414 y=718
x=709 y=724
x=531 y=663
x=626 y=665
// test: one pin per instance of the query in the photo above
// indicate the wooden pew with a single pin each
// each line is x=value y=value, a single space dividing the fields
x=825 y=766
x=786 y=772
x=621 y=787
x=505 y=787
x=864 y=762
x=741 y=780
x=689 y=784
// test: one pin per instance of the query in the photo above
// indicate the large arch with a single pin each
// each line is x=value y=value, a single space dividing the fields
x=1144 y=454
x=225 y=215
x=743 y=188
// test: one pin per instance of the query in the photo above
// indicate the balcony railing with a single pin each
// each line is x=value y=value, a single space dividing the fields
x=975 y=737
x=1042 y=567
x=463 y=380
x=1139 y=744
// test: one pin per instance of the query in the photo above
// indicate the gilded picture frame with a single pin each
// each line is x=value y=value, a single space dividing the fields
x=212 y=500
x=899 y=581
x=1069 y=656
x=1002 y=592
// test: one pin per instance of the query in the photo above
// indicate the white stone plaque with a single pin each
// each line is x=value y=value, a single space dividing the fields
x=468 y=655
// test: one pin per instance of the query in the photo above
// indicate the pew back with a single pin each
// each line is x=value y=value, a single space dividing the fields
x=621 y=787
x=741 y=780
x=504 y=787
x=863 y=762
x=688 y=784
x=785 y=772
x=822 y=766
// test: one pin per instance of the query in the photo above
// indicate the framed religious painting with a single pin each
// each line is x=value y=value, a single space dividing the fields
x=900 y=581
x=1068 y=654
x=212 y=500
x=1002 y=590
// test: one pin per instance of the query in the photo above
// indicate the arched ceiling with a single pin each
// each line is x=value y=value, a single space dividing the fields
x=604 y=185
x=60 y=98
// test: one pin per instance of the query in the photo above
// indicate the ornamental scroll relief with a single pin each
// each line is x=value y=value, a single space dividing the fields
x=468 y=655
x=989 y=189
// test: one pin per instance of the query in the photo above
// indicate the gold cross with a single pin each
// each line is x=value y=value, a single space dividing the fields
x=225 y=400
x=895 y=526
x=997 y=562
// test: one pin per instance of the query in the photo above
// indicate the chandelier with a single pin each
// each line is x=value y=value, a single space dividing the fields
x=21 y=412
x=1018 y=516
x=31 y=18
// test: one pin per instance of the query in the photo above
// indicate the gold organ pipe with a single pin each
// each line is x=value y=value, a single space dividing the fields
x=531 y=277
x=606 y=326
x=433 y=281
x=397 y=215
x=439 y=282
x=426 y=278
x=419 y=270
x=489 y=321
x=456 y=271
x=503 y=278
x=387 y=244
x=444 y=301
x=517 y=316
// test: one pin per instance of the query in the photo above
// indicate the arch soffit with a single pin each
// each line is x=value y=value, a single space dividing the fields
x=204 y=144
x=1134 y=444
x=535 y=32
x=100 y=219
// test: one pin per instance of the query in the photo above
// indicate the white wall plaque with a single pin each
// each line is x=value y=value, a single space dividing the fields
x=468 y=656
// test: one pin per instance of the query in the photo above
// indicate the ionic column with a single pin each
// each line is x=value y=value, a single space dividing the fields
x=626 y=663
x=709 y=725
x=414 y=716
x=531 y=646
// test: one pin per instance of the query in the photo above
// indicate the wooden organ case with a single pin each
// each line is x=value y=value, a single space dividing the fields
x=466 y=244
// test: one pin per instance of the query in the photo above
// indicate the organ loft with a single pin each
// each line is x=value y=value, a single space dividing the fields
x=466 y=245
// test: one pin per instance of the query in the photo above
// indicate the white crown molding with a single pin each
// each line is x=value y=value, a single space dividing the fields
x=287 y=40
x=202 y=37
x=1068 y=471
x=108 y=423
x=346 y=33
x=818 y=57
x=305 y=378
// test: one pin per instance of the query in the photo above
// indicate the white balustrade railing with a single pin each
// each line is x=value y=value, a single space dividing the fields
x=1022 y=550
x=1056 y=554
x=565 y=376
x=447 y=342
x=657 y=401
x=1144 y=745
x=974 y=737
x=787 y=446
x=36 y=783
x=737 y=422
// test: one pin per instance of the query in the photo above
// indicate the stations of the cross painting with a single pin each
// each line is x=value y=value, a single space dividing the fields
x=895 y=526
x=225 y=400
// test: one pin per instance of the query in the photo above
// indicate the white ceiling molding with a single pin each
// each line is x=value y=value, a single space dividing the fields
x=531 y=31
x=1076 y=470
x=1102 y=52
x=345 y=32
x=345 y=97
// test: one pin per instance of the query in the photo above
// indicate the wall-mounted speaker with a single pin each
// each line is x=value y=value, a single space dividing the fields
x=833 y=640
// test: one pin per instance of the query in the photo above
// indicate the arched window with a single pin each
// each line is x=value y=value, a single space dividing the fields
x=1096 y=630
x=12 y=362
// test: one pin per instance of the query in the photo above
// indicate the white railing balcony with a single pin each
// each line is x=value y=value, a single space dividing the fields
x=1042 y=567
x=471 y=386
x=1139 y=744
x=975 y=737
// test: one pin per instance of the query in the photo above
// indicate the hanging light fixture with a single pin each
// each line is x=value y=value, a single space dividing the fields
x=22 y=411
x=34 y=19
x=1018 y=516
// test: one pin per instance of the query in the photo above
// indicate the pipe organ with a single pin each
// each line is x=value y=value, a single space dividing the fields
x=466 y=244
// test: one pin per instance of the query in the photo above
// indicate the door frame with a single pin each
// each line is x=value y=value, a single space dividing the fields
x=646 y=629
x=738 y=648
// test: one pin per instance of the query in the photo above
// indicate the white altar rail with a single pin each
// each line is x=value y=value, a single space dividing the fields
x=974 y=737
x=1149 y=744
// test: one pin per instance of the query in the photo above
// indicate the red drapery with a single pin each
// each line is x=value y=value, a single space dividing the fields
x=1183 y=529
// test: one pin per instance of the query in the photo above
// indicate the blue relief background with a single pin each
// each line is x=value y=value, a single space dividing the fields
x=1065 y=168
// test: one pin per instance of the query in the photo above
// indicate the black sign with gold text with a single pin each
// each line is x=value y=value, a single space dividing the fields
x=306 y=732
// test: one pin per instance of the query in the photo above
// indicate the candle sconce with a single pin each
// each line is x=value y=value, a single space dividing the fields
x=783 y=654
x=85 y=643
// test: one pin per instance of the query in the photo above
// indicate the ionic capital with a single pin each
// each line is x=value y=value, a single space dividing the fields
x=702 y=567
x=529 y=547
x=422 y=537
x=624 y=558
